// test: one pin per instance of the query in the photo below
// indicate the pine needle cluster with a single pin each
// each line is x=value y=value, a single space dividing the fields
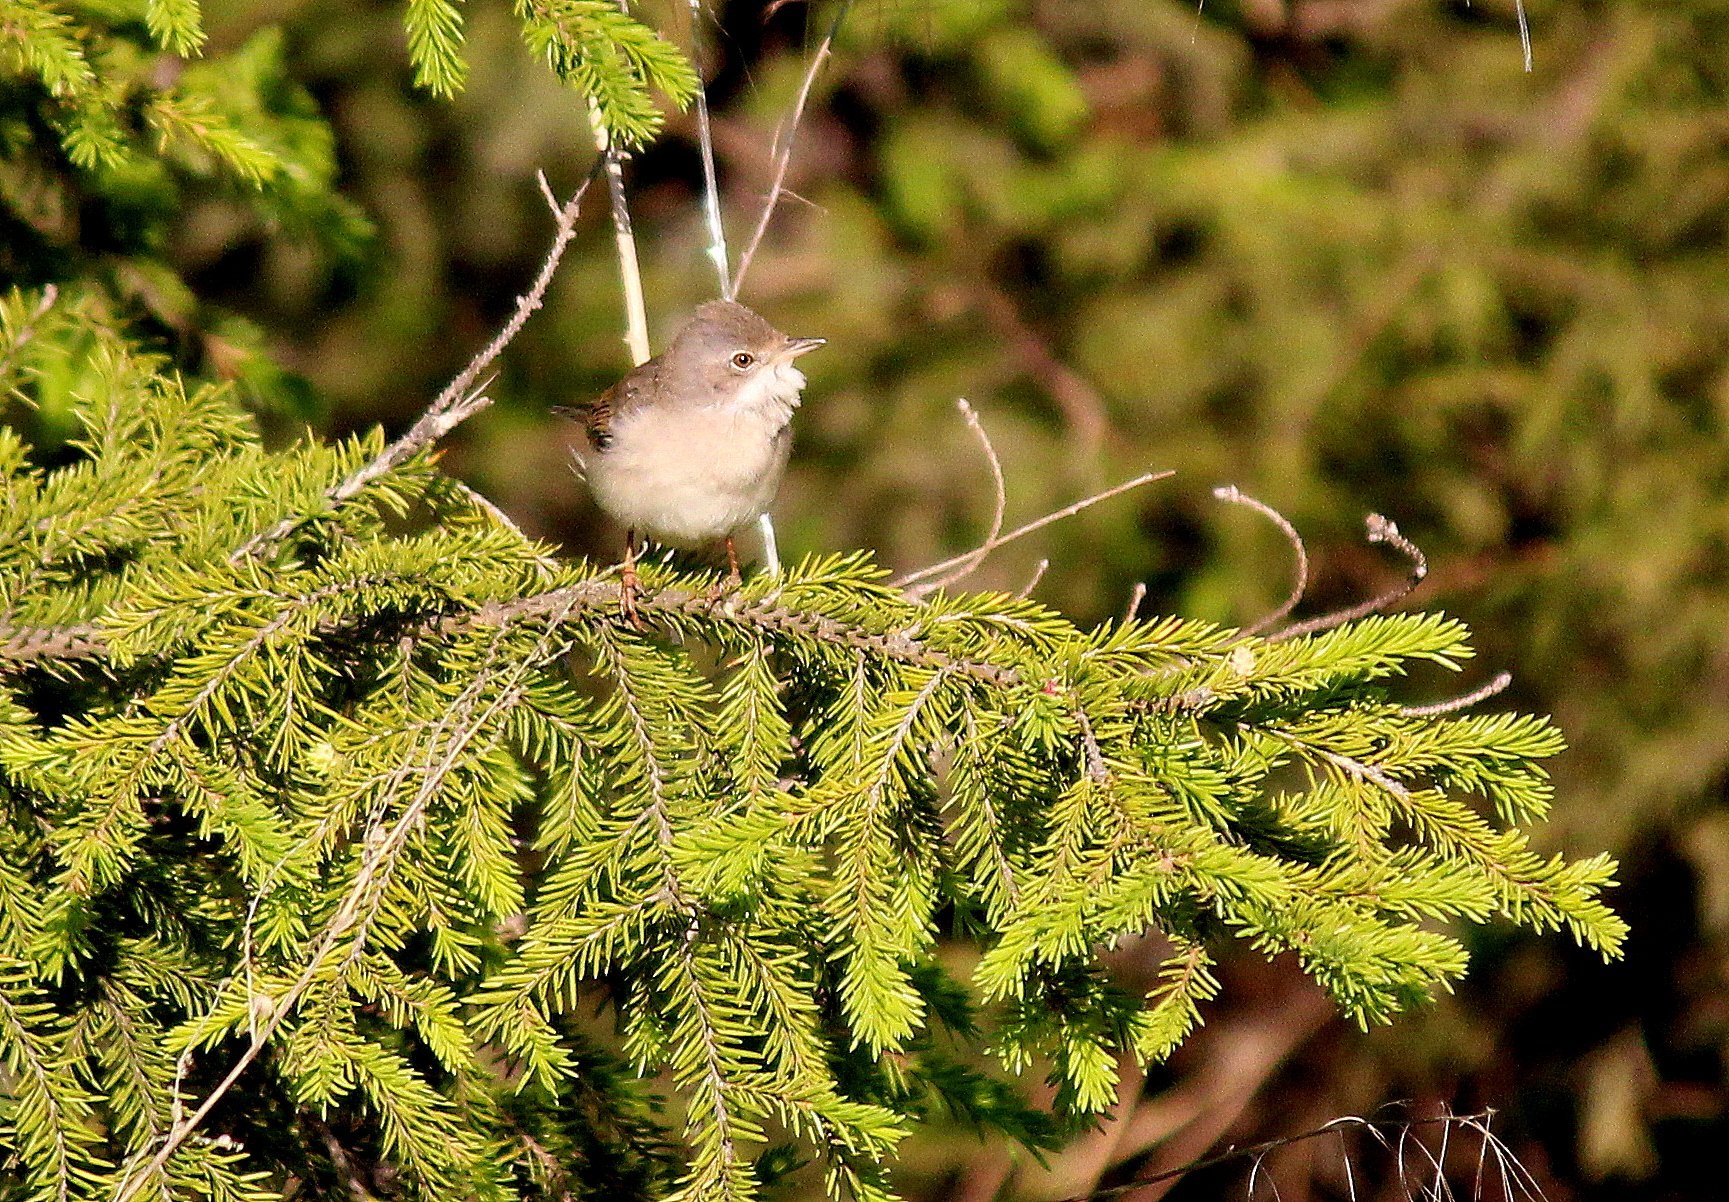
x=385 y=855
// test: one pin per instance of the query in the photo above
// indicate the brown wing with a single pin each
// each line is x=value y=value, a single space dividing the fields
x=629 y=393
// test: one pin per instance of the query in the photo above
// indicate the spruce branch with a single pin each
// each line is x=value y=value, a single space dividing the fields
x=27 y=645
x=359 y=905
x=597 y=598
x=25 y=330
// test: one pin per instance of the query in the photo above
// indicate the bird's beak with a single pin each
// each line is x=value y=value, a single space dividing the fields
x=799 y=346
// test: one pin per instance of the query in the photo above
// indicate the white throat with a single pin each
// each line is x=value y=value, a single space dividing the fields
x=771 y=394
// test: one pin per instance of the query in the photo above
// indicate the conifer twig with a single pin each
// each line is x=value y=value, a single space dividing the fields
x=459 y=400
x=999 y=506
x=25 y=332
x=1380 y=530
x=1231 y=494
x=27 y=644
x=599 y=596
x=783 y=143
x=1033 y=526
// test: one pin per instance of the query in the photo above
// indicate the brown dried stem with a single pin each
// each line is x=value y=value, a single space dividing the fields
x=999 y=506
x=1231 y=494
x=1031 y=527
x=1465 y=701
x=460 y=399
x=784 y=136
x=1380 y=530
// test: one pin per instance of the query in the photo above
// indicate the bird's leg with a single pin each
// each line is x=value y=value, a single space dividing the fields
x=627 y=581
x=734 y=578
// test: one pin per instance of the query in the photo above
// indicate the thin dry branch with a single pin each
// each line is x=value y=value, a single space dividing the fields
x=999 y=506
x=1376 y=1129
x=1380 y=530
x=1137 y=594
x=1039 y=570
x=1231 y=494
x=717 y=252
x=1031 y=527
x=784 y=136
x=1454 y=704
x=459 y=401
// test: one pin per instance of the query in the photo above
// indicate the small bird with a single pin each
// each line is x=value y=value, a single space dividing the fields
x=691 y=445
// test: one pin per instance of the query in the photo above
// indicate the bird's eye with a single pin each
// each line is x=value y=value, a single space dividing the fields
x=743 y=360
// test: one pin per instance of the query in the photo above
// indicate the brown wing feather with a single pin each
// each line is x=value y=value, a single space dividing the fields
x=598 y=415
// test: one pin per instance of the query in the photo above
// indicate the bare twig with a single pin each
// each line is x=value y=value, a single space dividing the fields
x=1455 y=704
x=783 y=143
x=711 y=188
x=1376 y=1129
x=547 y=193
x=1380 y=530
x=1137 y=595
x=1020 y=532
x=1039 y=570
x=460 y=399
x=999 y=505
x=1231 y=494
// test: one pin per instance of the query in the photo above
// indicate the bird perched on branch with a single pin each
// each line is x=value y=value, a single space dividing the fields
x=691 y=445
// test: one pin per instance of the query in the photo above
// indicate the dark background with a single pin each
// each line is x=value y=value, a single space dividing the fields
x=1345 y=254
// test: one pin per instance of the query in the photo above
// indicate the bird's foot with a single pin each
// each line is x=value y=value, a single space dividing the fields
x=628 y=588
x=731 y=582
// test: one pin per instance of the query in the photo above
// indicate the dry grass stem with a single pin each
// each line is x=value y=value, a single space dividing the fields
x=1397 y=1137
x=624 y=241
x=717 y=252
x=1137 y=595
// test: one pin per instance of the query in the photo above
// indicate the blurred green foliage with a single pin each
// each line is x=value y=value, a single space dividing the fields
x=1347 y=255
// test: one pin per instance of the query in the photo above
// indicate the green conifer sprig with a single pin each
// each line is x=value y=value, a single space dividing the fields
x=394 y=821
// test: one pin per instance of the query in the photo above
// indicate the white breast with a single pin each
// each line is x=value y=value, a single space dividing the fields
x=686 y=476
